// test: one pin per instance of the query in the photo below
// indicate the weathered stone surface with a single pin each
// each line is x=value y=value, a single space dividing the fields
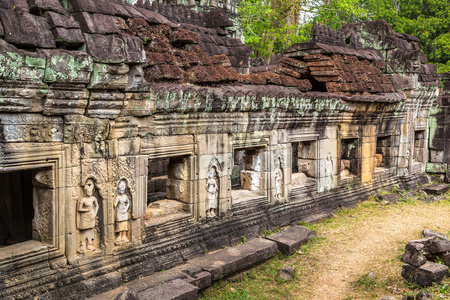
x=30 y=128
x=426 y=274
x=291 y=239
x=33 y=32
x=51 y=5
x=109 y=76
x=128 y=295
x=414 y=254
x=65 y=101
x=106 y=49
x=391 y=198
x=437 y=189
x=431 y=233
x=64 y=21
x=286 y=273
x=96 y=23
x=177 y=289
x=80 y=129
x=228 y=261
x=423 y=296
x=69 y=36
x=438 y=246
x=92 y=6
x=67 y=66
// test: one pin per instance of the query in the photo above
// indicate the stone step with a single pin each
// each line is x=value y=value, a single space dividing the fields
x=291 y=239
x=230 y=260
x=177 y=289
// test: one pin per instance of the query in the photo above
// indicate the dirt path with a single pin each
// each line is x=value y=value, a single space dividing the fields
x=367 y=242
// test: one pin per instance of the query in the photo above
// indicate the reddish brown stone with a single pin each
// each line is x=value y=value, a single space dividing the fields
x=321 y=63
x=273 y=78
x=379 y=64
x=304 y=85
x=221 y=59
x=313 y=57
x=212 y=74
x=203 y=59
x=162 y=72
x=287 y=61
x=180 y=37
x=45 y=5
x=65 y=36
x=154 y=58
x=325 y=73
x=255 y=78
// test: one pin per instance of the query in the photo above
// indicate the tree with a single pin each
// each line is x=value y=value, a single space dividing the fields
x=269 y=26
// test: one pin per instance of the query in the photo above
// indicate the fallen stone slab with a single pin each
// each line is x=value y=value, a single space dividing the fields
x=438 y=246
x=431 y=233
x=227 y=261
x=291 y=239
x=426 y=274
x=177 y=289
x=391 y=198
x=437 y=189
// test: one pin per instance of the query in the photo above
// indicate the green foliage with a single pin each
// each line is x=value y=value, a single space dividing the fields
x=270 y=28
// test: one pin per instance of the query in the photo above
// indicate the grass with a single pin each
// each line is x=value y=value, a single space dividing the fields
x=370 y=273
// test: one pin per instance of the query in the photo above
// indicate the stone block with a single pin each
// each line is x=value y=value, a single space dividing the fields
x=109 y=76
x=212 y=144
x=78 y=129
x=106 y=49
x=426 y=274
x=69 y=36
x=436 y=245
x=291 y=239
x=437 y=189
x=33 y=31
x=92 y=6
x=252 y=180
x=200 y=280
x=367 y=165
x=177 y=289
x=414 y=254
x=59 y=20
x=66 y=102
x=307 y=166
x=46 y=5
x=178 y=190
x=105 y=105
x=67 y=66
x=366 y=177
x=230 y=260
x=96 y=23
x=431 y=233
x=30 y=128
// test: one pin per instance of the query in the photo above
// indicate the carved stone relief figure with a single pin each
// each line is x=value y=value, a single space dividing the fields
x=121 y=206
x=212 y=188
x=87 y=210
x=278 y=181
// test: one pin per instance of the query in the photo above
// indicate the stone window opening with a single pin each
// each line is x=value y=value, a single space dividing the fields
x=303 y=163
x=419 y=146
x=168 y=188
x=349 y=158
x=247 y=179
x=383 y=154
x=26 y=206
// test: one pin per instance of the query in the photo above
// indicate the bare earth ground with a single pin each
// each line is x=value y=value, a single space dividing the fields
x=370 y=242
x=351 y=245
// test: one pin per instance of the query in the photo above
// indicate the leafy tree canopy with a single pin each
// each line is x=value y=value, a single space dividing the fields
x=271 y=26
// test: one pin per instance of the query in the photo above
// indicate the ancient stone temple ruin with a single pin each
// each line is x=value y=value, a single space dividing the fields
x=137 y=135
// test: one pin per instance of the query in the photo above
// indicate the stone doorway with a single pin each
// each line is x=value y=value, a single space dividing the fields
x=16 y=207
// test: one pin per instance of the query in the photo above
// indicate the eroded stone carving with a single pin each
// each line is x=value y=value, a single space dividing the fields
x=87 y=210
x=212 y=188
x=121 y=206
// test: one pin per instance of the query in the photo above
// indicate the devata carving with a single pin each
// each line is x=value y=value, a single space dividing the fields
x=121 y=206
x=87 y=210
x=212 y=188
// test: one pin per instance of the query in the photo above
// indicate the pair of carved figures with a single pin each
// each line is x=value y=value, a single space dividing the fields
x=87 y=209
